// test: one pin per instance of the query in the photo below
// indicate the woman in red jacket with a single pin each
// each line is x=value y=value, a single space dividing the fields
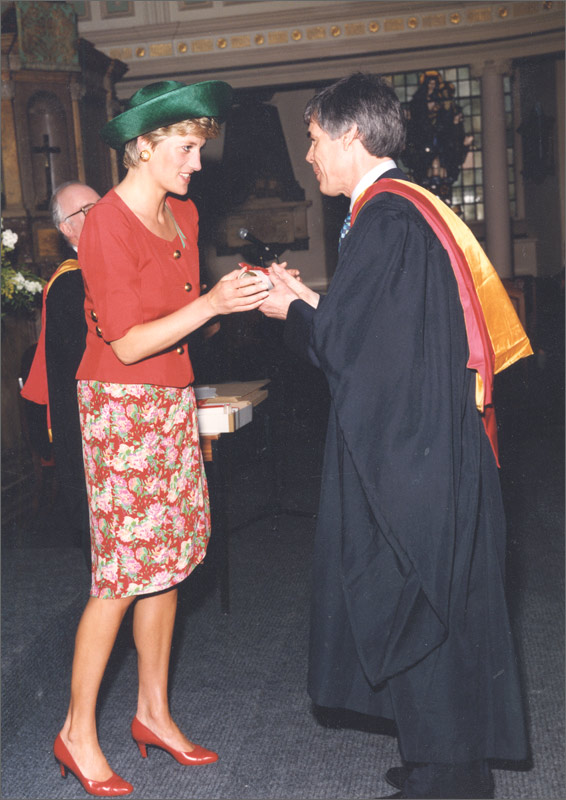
x=149 y=510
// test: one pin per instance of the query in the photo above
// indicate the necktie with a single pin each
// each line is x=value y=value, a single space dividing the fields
x=345 y=229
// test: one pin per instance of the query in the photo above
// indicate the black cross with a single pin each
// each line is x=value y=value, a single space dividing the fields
x=47 y=150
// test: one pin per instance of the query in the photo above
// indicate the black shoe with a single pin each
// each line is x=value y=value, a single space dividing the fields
x=396 y=777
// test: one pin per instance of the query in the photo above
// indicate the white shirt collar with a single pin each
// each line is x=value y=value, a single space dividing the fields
x=371 y=177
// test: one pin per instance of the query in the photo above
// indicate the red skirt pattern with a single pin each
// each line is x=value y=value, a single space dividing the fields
x=147 y=491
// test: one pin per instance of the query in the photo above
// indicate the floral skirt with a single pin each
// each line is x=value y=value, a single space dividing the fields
x=147 y=491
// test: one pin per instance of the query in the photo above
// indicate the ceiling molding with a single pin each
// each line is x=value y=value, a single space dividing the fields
x=285 y=74
x=300 y=35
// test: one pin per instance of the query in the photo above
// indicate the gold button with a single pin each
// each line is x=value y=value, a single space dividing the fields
x=180 y=349
x=98 y=331
x=188 y=286
x=93 y=316
x=177 y=254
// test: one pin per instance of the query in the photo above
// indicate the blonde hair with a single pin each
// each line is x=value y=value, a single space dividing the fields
x=206 y=127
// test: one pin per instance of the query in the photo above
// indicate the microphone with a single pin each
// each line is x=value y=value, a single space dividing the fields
x=249 y=237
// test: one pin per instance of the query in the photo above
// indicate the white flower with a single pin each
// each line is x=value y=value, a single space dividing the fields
x=33 y=287
x=9 y=239
x=24 y=284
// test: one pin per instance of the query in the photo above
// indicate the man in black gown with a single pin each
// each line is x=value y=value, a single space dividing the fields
x=59 y=354
x=409 y=618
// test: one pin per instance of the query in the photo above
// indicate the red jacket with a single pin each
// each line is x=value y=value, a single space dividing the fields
x=132 y=276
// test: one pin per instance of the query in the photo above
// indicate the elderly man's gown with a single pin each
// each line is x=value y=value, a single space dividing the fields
x=409 y=618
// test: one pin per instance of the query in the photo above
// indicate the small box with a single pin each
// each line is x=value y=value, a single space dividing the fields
x=224 y=417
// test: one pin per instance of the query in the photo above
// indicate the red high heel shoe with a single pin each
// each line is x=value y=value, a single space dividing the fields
x=115 y=785
x=143 y=736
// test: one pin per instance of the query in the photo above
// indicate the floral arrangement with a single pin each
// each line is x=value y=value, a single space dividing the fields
x=21 y=289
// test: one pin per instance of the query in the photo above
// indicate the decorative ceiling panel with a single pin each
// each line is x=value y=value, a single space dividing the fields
x=194 y=39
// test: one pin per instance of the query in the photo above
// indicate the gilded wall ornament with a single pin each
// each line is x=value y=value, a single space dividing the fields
x=47 y=36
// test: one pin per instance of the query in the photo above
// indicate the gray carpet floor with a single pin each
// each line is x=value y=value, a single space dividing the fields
x=238 y=680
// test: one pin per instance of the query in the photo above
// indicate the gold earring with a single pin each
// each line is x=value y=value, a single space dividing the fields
x=145 y=155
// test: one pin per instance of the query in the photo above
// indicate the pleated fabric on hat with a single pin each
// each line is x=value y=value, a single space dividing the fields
x=165 y=103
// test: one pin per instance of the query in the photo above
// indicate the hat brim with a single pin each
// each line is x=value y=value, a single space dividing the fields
x=206 y=99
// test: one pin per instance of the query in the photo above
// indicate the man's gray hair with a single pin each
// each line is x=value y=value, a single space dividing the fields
x=54 y=207
x=366 y=101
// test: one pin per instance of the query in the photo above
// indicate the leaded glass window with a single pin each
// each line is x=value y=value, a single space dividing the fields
x=467 y=190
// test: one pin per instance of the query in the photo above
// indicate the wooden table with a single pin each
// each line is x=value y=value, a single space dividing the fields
x=218 y=467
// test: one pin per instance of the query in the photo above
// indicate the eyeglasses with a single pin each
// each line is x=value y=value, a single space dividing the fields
x=84 y=210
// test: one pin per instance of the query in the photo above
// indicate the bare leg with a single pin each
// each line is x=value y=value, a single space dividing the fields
x=154 y=618
x=95 y=638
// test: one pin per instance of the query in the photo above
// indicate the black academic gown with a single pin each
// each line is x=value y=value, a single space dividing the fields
x=65 y=334
x=409 y=617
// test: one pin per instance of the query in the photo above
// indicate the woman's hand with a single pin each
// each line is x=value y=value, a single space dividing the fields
x=228 y=296
x=232 y=294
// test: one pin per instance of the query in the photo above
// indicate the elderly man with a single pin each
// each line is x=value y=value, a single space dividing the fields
x=409 y=619
x=58 y=354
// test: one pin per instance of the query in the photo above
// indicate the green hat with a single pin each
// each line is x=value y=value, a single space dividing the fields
x=164 y=103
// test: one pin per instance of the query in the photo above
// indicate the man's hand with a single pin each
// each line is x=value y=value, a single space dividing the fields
x=293 y=281
x=286 y=289
x=296 y=273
